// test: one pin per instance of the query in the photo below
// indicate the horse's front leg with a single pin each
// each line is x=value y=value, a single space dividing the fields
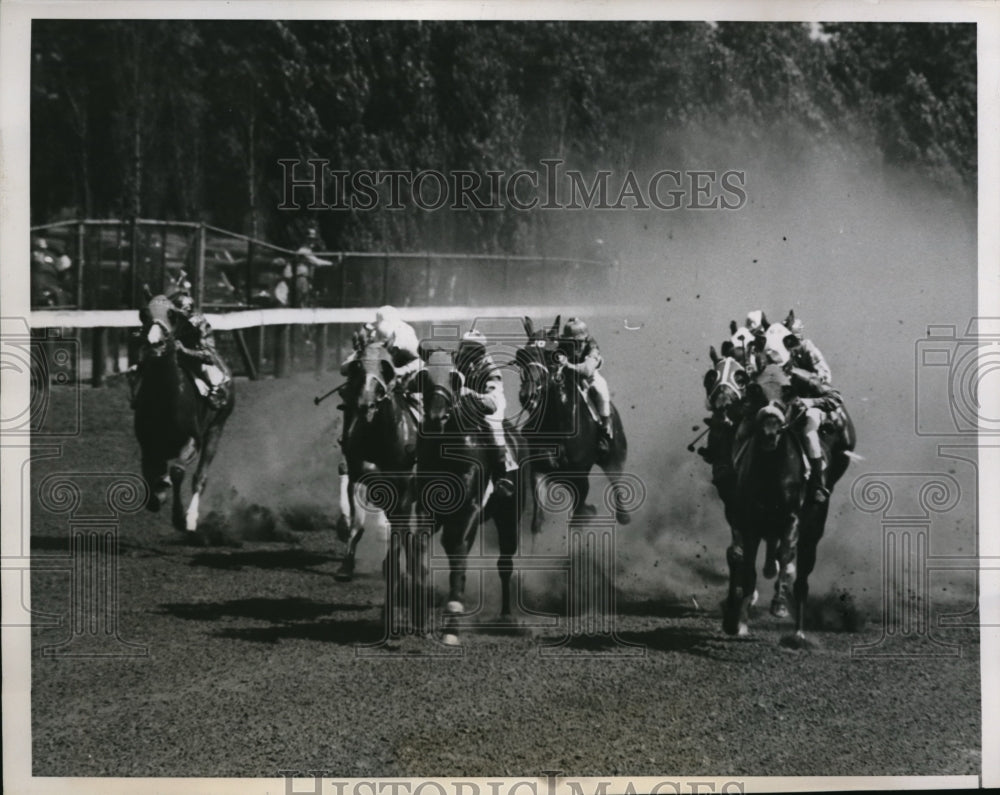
x=200 y=480
x=813 y=526
x=456 y=538
x=787 y=550
x=505 y=516
x=537 y=513
x=345 y=573
x=154 y=472
x=748 y=583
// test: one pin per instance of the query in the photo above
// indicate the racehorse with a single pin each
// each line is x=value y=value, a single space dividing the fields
x=380 y=437
x=771 y=498
x=174 y=425
x=563 y=427
x=454 y=458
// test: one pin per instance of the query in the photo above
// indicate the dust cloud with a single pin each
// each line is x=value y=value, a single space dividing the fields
x=867 y=257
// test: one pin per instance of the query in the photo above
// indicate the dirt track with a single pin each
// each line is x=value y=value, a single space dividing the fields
x=253 y=668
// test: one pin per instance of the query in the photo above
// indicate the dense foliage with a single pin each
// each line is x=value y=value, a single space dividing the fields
x=188 y=119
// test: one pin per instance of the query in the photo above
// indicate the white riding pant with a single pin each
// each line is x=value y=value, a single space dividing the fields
x=602 y=396
x=810 y=433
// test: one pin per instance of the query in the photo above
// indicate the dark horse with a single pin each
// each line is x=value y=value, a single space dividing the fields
x=174 y=425
x=563 y=432
x=771 y=476
x=725 y=386
x=453 y=466
x=380 y=445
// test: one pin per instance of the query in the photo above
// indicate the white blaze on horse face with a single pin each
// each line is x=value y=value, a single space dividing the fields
x=774 y=344
x=155 y=334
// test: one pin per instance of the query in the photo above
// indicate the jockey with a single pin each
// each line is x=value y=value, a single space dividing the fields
x=400 y=341
x=578 y=351
x=402 y=344
x=482 y=389
x=815 y=396
x=196 y=343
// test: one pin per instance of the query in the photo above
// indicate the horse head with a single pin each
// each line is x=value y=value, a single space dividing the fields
x=769 y=396
x=159 y=320
x=726 y=383
x=440 y=383
x=370 y=375
x=533 y=363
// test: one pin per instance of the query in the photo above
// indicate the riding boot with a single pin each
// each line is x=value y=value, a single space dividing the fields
x=815 y=487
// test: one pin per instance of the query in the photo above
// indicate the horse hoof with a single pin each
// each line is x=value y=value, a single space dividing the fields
x=770 y=568
x=345 y=573
x=454 y=608
x=448 y=639
x=779 y=608
x=743 y=631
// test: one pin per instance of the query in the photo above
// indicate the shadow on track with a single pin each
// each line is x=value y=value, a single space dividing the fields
x=288 y=559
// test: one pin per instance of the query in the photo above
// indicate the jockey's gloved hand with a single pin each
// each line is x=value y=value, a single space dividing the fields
x=561 y=358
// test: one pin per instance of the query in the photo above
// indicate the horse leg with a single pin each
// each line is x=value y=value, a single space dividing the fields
x=786 y=554
x=537 y=513
x=154 y=472
x=505 y=519
x=418 y=571
x=770 y=558
x=581 y=490
x=211 y=443
x=807 y=562
x=617 y=492
x=346 y=503
x=734 y=560
x=456 y=538
x=345 y=573
x=177 y=512
x=749 y=583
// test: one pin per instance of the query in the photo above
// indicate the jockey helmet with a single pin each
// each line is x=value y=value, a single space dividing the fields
x=756 y=321
x=798 y=328
x=386 y=320
x=575 y=329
